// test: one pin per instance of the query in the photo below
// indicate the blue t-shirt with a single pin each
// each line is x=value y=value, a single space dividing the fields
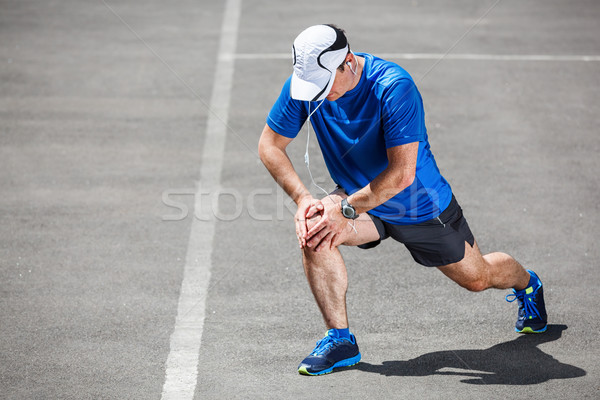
x=384 y=110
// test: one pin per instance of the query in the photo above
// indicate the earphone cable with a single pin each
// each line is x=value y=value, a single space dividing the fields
x=307 y=160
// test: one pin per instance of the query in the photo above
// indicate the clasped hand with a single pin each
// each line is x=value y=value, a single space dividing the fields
x=320 y=223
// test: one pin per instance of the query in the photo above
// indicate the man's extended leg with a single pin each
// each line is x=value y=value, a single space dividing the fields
x=499 y=270
x=495 y=270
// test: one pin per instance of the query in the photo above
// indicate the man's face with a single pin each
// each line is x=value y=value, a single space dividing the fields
x=342 y=83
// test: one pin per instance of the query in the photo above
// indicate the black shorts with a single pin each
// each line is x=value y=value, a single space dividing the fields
x=439 y=241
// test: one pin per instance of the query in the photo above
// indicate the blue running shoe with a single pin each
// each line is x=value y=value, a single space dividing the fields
x=532 y=310
x=331 y=352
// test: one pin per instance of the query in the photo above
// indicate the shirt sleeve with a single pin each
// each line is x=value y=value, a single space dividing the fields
x=403 y=115
x=287 y=115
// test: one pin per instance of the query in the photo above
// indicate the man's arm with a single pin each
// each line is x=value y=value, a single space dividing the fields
x=399 y=174
x=271 y=149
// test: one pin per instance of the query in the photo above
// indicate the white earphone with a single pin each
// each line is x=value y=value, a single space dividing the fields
x=349 y=64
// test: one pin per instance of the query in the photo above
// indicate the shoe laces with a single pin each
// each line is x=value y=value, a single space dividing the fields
x=526 y=301
x=325 y=345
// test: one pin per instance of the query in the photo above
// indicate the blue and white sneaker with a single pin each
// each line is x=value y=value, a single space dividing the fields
x=331 y=352
x=532 y=310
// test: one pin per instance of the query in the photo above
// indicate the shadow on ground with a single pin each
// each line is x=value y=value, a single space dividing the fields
x=518 y=362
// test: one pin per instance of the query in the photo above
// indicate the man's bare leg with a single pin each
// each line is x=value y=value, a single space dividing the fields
x=328 y=280
x=326 y=274
x=326 y=271
x=495 y=270
x=499 y=270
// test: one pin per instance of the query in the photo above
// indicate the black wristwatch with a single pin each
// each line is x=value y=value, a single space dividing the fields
x=348 y=210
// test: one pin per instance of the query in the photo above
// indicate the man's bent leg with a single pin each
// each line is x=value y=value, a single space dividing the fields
x=495 y=270
x=328 y=280
x=326 y=271
x=326 y=274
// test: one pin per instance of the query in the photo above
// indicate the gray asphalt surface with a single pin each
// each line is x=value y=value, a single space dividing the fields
x=102 y=112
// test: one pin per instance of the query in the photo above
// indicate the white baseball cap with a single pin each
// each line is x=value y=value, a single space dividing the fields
x=317 y=51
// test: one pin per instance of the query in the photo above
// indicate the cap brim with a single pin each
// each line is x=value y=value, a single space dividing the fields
x=311 y=90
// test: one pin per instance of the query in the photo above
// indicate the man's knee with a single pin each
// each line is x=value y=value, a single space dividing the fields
x=317 y=259
x=478 y=284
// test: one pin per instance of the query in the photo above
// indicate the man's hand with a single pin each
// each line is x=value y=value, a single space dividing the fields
x=327 y=232
x=308 y=207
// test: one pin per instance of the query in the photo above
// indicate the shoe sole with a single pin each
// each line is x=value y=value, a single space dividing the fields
x=529 y=330
x=348 y=362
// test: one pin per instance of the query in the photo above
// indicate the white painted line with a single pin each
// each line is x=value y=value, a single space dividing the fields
x=436 y=56
x=181 y=374
x=490 y=57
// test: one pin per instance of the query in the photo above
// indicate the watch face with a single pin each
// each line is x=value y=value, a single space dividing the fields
x=348 y=212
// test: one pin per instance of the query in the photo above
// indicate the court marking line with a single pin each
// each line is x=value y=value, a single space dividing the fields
x=181 y=372
x=436 y=56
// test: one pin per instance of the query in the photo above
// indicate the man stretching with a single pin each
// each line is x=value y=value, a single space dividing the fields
x=368 y=118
